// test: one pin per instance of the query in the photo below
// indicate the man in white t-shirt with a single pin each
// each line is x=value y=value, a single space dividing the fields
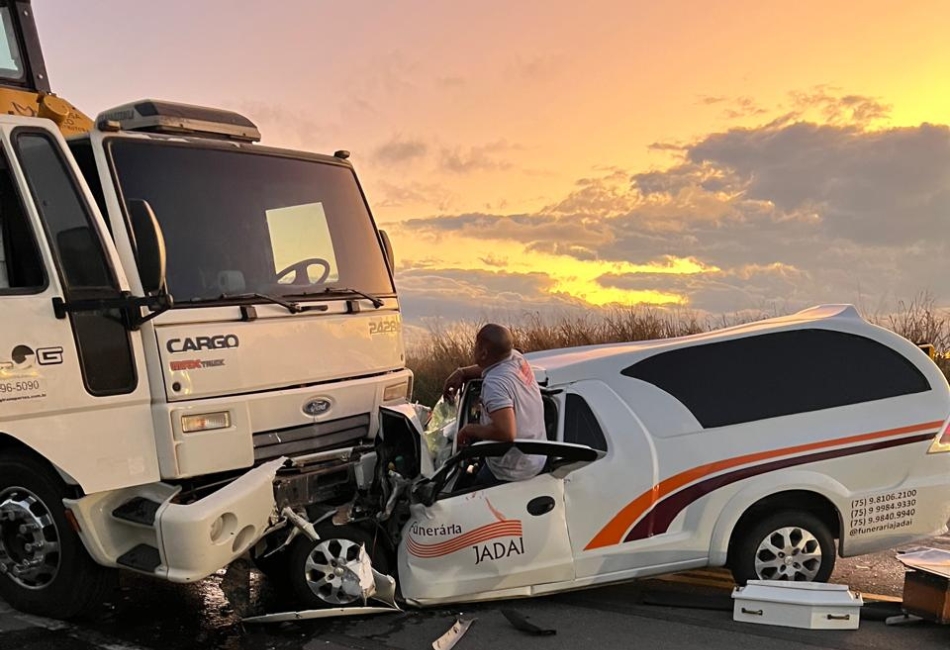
x=511 y=405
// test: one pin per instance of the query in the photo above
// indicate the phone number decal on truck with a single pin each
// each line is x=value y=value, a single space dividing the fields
x=15 y=390
x=883 y=512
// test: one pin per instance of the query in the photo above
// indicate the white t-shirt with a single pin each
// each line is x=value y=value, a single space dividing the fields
x=511 y=383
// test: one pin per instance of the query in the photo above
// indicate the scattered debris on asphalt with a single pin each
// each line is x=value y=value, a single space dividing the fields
x=448 y=640
x=927 y=584
x=312 y=614
x=902 y=619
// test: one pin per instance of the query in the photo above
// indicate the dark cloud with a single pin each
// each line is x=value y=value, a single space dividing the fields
x=519 y=227
x=791 y=212
x=465 y=294
x=400 y=150
x=876 y=187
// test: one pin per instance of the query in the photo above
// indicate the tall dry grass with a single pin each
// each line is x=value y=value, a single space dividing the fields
x=445 y=348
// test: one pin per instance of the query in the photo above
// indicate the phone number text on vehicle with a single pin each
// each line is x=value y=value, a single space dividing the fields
x=24 y=386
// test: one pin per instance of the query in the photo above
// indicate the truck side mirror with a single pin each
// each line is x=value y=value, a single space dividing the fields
x=149 y=245
x=388 y=245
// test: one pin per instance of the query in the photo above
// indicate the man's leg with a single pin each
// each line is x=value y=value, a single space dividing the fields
x=486 y=478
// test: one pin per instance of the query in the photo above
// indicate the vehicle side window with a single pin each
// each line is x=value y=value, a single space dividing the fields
x=580 y=424
x=21 y=268
x=71 y=232
x=82 y=152
x=102 y=340
x=779 y=374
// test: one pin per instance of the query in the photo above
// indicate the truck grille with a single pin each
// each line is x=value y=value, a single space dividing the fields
x=297 y=441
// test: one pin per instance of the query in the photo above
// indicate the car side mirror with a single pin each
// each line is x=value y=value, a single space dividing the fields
x=388 y=246
x=149 y=245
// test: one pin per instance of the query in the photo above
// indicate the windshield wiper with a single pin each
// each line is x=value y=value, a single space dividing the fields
x=292 y=307
x=341 y=291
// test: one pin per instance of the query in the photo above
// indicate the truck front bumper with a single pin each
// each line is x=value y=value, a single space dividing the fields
x=192 y=540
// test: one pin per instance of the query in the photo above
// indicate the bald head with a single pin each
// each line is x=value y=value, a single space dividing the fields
x=492 y=344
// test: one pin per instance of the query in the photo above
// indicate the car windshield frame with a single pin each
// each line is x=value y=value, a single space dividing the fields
x=367 y=238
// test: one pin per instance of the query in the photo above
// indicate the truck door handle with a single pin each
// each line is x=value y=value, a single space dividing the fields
x=540 y=505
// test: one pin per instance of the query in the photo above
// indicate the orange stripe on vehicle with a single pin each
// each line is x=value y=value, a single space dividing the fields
x=616 y=528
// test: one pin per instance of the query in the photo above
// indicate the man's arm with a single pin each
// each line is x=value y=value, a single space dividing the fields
x=503 y=428
x=459 y=376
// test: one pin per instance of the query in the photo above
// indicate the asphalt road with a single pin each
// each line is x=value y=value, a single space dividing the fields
x=692 y=610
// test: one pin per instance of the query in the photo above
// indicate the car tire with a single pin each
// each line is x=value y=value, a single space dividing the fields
x=317 y=589
x=276 y=568
x=791 y=545
x=64 y=581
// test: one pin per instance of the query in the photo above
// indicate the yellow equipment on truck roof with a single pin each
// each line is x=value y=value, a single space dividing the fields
x=24 y=85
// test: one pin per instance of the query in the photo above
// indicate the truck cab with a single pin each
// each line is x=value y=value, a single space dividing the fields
x=197 y=335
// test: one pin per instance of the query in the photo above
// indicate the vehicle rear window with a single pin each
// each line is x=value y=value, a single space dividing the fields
x=580 y=424
x=779 y=374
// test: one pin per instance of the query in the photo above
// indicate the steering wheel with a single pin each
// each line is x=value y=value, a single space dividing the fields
x=300 y=270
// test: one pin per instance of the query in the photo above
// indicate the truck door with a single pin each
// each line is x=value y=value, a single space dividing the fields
x=70 y=381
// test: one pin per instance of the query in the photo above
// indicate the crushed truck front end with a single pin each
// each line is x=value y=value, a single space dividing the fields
x=284 y=339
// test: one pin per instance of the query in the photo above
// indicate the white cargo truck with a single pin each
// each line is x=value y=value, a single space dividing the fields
x=197 y=333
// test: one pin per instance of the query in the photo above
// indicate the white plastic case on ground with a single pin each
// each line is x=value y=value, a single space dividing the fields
x=808 y=605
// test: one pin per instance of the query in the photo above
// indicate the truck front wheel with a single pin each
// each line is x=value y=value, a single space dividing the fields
x=44 y=568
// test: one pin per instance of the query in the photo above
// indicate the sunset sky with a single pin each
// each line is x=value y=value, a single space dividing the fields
x=550 y=156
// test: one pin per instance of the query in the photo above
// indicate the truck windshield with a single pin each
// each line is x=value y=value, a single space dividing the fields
x=239 y=222
x=10 y=66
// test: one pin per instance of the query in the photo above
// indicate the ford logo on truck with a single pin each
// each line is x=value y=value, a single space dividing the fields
x=317 y=407
x=217 y=342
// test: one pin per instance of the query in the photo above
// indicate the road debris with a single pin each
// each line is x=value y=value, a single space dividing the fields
x=448 y=640
x=311 y=614
x=927 y=584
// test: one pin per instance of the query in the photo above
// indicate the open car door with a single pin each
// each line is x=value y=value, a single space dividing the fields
x=495 y=542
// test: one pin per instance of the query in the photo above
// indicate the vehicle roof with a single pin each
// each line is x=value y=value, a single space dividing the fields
x=214 y=143
x=573 y=364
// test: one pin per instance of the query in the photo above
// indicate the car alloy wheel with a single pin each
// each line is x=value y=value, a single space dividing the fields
x=327 y=570
x=790 y=553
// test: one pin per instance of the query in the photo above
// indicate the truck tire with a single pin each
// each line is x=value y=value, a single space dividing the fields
x=312 y=564
x=789 y=545
x=44 y=567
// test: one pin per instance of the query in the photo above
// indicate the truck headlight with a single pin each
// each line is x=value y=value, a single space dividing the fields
x=205 y=422
x=394 y=392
